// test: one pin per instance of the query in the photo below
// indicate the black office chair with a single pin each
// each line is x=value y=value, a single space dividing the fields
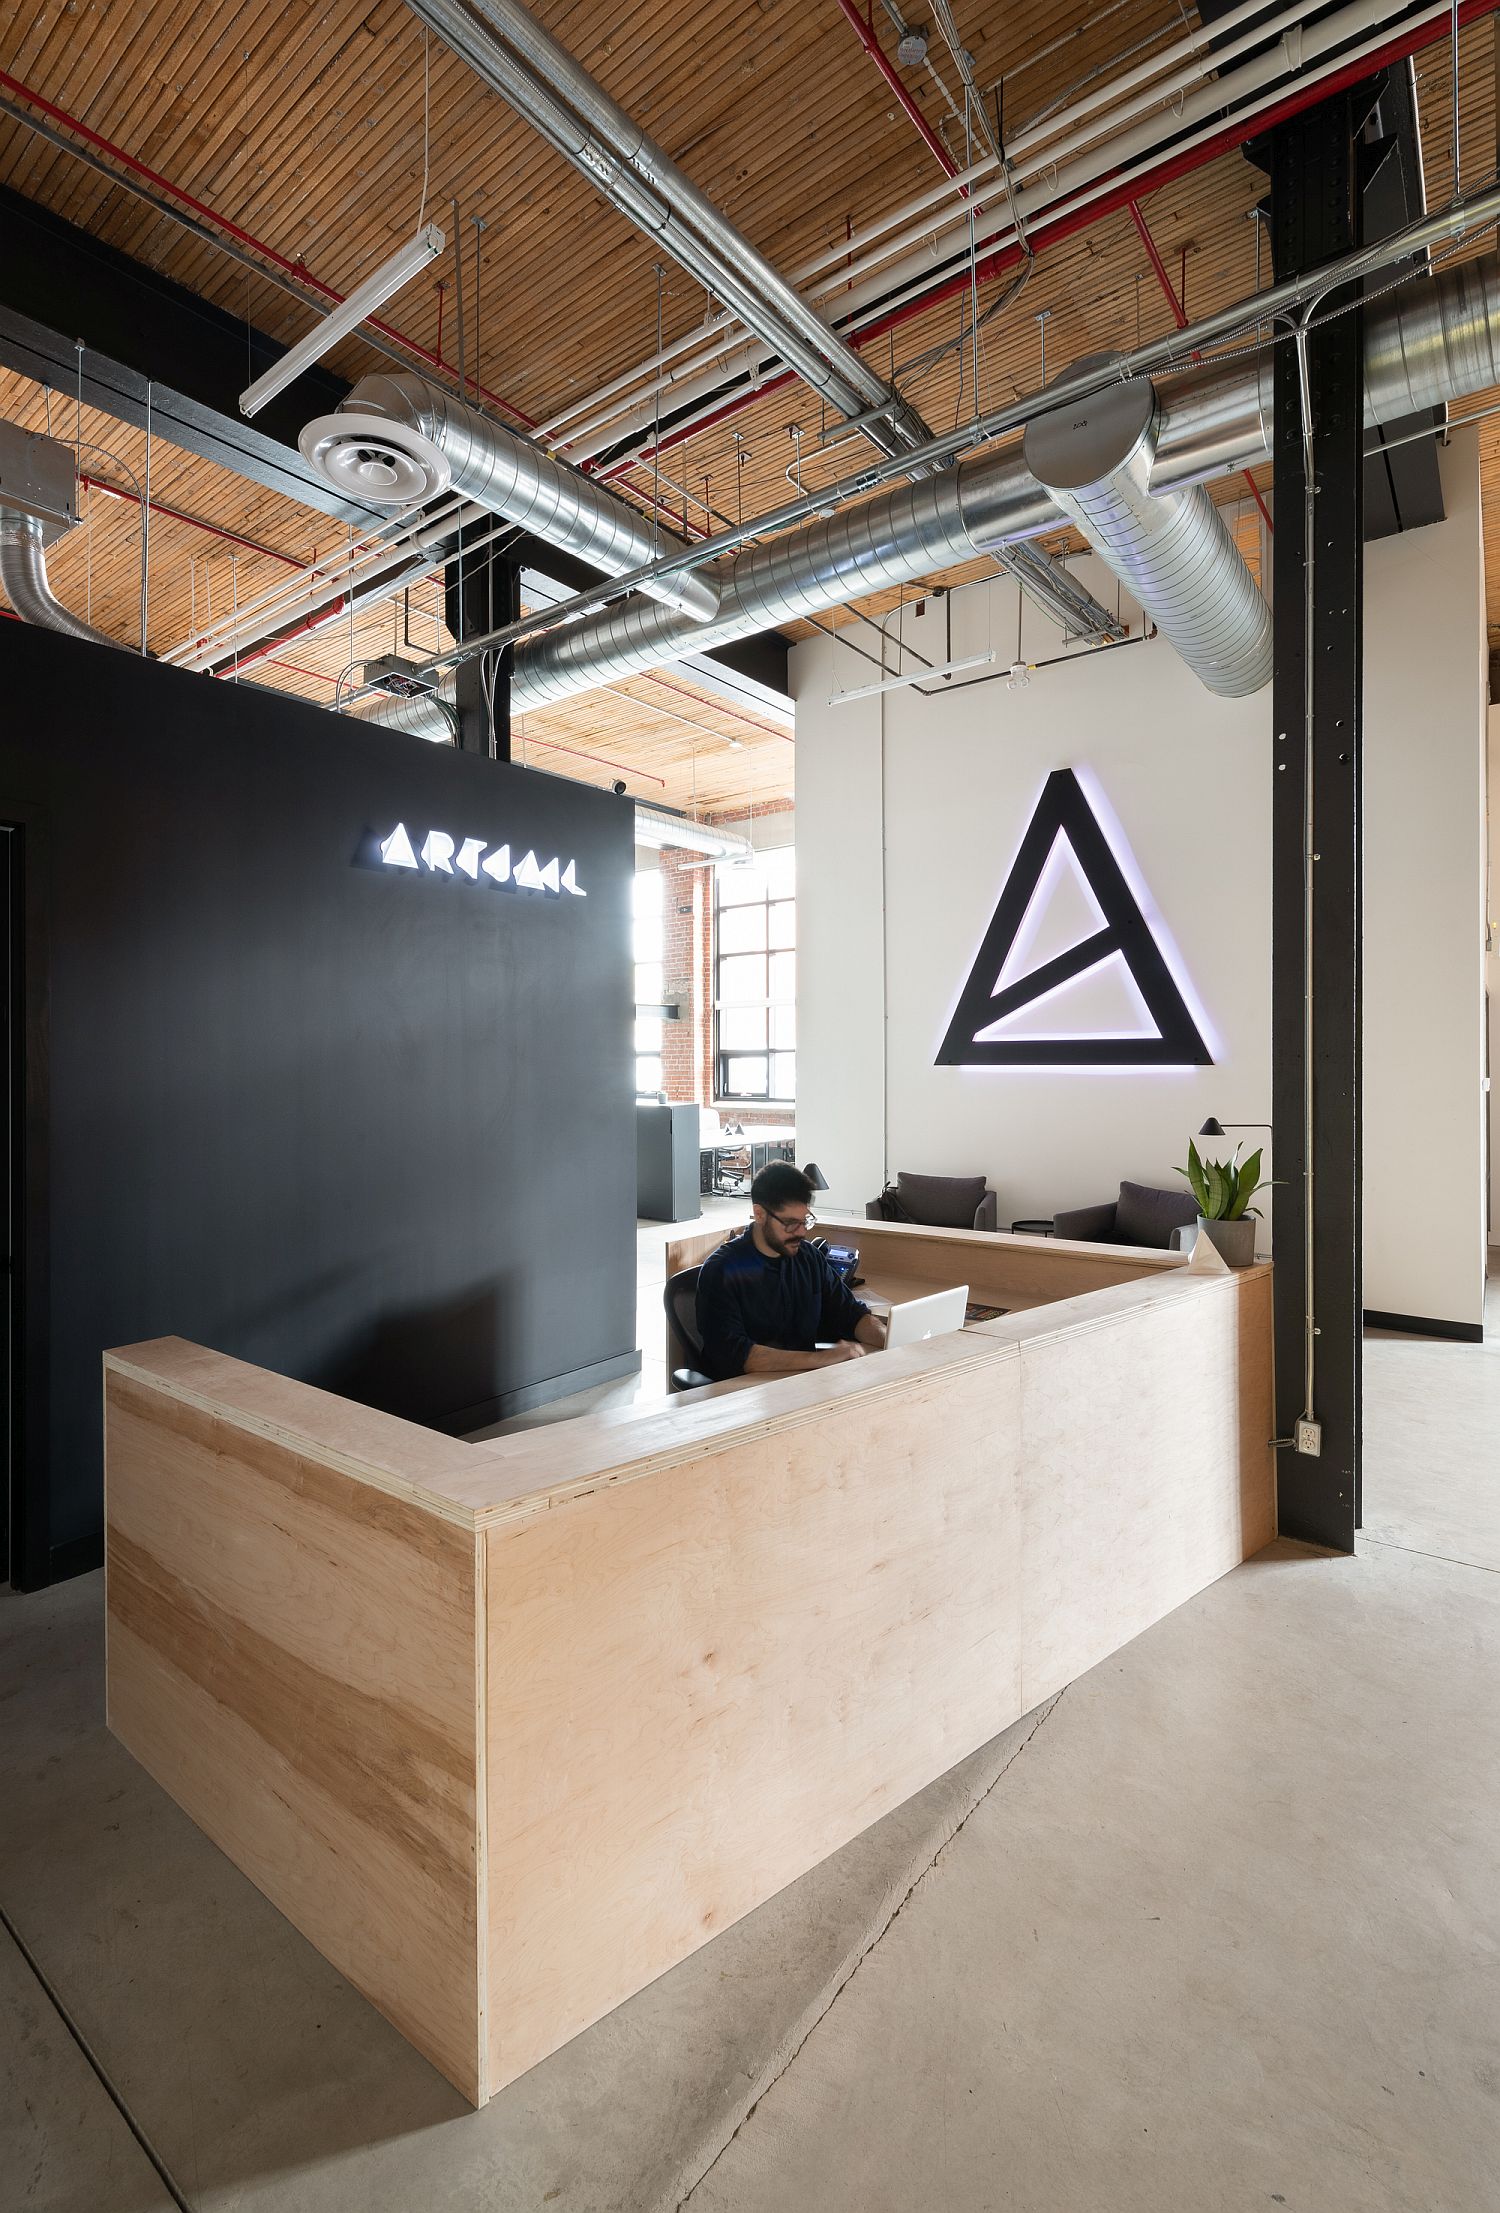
x=680 y=1298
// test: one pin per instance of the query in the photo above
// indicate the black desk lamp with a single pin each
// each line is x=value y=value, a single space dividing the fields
x=815 y=1176
x=1215 y=1128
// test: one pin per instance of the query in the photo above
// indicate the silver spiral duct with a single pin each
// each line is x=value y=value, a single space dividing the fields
x=423 y=715
x=1434 y=342
x=1172 y=552
x=23 y=572
x=506 y=47
x=398 y=439
x=659 y=827
x=1430 y=342
x=892 y=539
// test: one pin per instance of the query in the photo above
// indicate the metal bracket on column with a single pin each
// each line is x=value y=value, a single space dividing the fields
x=482 y=592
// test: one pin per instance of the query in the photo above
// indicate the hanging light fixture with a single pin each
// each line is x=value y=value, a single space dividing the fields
x=389 y=278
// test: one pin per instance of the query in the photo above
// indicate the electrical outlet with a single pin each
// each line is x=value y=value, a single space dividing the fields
x=1310 y=1438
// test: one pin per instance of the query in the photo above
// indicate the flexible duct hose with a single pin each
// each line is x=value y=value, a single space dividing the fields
x=23 y=572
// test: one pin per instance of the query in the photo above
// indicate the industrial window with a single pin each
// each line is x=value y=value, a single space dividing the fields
x=755 y=979
x=648 y=967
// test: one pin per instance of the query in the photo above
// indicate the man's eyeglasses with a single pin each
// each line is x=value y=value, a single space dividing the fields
x=808 y=1221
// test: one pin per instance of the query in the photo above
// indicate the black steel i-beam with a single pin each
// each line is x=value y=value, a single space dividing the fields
x=482 y=592
x=1316 y=840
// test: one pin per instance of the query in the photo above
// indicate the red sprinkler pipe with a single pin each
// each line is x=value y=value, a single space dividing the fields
x=550 y=745
x=1179 y=317
x=200 y=208
x=194 y=522
x=295 y=269
x=319 y=676
x=1044 y=234
x=864 y=31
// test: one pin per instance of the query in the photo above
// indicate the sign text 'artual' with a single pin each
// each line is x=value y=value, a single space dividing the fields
x=442 y=855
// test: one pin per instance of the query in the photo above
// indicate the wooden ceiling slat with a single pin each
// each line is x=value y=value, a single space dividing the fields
x=772 y=110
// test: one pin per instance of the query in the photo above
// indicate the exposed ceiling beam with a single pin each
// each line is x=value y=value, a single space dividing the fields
x=138 y=327
x=59 y=286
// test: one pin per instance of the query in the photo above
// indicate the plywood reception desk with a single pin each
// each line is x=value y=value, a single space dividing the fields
x=506 y=1729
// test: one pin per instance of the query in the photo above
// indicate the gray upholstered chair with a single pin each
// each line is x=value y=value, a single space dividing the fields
x=938 y=1202
x=1140 y=1216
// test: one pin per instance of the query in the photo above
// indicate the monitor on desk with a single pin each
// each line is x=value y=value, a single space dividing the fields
x=913 y=1319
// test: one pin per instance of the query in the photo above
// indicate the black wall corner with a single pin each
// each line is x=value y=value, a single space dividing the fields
x=370 y=1127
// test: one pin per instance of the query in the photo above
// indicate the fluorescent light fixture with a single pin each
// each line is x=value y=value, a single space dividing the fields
x=917 y=676
x=660 y=828
x=347 y=316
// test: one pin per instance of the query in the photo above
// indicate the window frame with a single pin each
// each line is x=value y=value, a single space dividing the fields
x=770 y=1052
x=647 y=1009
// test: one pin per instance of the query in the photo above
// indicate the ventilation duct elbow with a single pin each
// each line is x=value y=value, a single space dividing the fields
x=23 y=573
x=1172 y=551
x=398 y=440
x=421 y=715
x=1433 y=341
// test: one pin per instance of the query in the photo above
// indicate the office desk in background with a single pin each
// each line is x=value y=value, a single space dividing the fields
x=761 y=1146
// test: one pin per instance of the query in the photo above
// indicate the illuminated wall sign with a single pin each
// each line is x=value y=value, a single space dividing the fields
x=1070 y=973
x=443 y=855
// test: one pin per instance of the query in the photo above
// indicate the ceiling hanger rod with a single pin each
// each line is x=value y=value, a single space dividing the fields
x=1459 y=220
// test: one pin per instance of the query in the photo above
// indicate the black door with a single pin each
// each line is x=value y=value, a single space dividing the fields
x=10 y=1169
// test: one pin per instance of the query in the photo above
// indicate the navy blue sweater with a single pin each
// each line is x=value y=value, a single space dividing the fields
x=745 y=1299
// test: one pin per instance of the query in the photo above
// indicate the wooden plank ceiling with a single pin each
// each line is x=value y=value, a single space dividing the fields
x=304 y=127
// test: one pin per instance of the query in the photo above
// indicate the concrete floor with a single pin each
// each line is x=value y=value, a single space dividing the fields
x=1218 y=1928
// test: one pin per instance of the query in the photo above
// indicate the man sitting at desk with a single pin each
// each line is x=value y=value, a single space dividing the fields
x=767 y=1300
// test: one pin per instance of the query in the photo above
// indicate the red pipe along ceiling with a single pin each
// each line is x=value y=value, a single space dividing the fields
x=864 y=30
x=1044 y=234
x=1178 y=305
x=194 y=522
x=297 y=269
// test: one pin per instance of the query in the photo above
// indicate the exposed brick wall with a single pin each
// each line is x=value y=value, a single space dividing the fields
x=682 y=907
x=687 y=977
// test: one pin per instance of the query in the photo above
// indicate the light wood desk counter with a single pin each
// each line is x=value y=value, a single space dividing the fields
x=507 y=1729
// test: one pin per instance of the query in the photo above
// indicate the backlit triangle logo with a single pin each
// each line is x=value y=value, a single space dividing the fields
x=1105 y=996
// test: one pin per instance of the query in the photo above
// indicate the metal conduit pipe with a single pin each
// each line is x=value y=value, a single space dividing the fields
x=398 y=438
x=23 y=573
x=505 y=46
x=1424 y=345
x=659 y=827
x=862 y=282
x=1430 y=342
x=902 y=534
x=1172 y=552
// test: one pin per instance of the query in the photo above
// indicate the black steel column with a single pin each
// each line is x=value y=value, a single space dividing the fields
x=1316 y=901
x=481 y=592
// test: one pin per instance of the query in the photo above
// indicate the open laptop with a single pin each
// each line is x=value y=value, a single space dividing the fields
x=913 y=1319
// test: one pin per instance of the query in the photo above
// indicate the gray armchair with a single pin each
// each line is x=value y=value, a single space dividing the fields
x=1140 y=1216
x=938 y=1202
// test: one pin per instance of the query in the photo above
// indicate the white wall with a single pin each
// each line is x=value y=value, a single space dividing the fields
x=909 y=813
x=1426 y=682
x=1492 y=967
x=962 y=774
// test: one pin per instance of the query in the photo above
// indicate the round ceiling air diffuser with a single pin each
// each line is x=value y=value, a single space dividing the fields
x=373 y=459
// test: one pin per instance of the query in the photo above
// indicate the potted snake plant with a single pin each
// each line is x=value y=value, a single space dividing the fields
x=1223 y=1190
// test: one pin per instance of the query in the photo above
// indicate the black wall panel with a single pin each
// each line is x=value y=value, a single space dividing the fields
x=371 y=1129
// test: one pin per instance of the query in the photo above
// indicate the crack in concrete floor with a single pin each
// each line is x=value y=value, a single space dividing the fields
x=858 y=1959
